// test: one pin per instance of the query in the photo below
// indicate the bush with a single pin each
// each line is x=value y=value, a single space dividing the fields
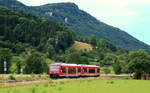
x=106 y=70
x=117 y=68
x=11 y=77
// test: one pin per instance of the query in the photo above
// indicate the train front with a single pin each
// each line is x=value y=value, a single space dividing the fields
x=54 y=70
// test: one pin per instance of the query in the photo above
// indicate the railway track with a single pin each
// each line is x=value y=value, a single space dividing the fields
x=13 y=83
x=6 y=84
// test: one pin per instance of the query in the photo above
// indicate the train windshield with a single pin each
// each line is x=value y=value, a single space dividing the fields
x=54 y=68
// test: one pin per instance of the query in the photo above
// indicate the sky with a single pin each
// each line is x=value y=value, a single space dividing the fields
x=132 y=16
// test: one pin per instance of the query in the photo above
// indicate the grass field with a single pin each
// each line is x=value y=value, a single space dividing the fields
x=85 y=86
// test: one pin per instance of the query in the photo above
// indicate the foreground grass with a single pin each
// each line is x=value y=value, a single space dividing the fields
x=85 y=86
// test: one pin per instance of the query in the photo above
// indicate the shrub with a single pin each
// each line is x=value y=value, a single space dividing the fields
x=106 y=70
x=11 y=77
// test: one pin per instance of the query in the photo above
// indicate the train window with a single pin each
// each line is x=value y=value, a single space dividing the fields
x=72 y=70
x=85 y=70
x=54 y=68
x=79 y=69
x=98 y=70
x=91 y=70
x=63 y=70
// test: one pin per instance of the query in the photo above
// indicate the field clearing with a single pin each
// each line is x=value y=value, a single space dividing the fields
x=85 y=86
x=82 y=46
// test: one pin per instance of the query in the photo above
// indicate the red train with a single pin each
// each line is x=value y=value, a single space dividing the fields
x=73 y=70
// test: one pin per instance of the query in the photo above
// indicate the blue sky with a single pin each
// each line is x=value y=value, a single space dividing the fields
x=132 y=16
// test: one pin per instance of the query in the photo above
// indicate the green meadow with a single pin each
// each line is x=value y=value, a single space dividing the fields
x=85 y=86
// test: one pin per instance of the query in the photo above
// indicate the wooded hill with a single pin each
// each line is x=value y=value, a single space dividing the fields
x=44 y=35
x=22 y=33
x=81 y=22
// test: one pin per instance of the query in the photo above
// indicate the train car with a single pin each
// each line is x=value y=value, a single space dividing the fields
x=73 y=70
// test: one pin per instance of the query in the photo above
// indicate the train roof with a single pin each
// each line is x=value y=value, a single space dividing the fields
x=64 y=64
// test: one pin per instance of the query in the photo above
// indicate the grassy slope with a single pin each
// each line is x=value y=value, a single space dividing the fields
x=82 y=46
x=85 y=86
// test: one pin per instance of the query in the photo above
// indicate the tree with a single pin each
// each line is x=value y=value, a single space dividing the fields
x=36 y=64
x=109 y=59
x=106 y=70
x=17 y=64
x=118 y=64
x=93 y=40
x=84 y=60
x=77 y=58
x=47 y=48
x=117 y=68
x=106 y=46
x=74 y=58
x=18 y=48
x=138 y=63
x=5 y=55
x=50 y=51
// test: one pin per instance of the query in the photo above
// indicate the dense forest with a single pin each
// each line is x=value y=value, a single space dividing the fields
x=20 y=32
x=28 y=44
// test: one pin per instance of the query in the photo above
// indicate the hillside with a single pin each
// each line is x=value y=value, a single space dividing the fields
x=82 y=46
x=38 y=32
x=29 y=40
x=81 y=22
